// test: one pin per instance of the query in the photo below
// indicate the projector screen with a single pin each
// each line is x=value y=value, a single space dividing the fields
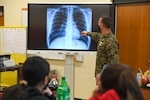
x=57 y=27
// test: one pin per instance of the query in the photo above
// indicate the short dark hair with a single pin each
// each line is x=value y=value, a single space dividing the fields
x=35 y=69
x=107 y=21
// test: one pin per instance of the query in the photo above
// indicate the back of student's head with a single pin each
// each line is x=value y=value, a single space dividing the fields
x=121 y=78
x=34 y=70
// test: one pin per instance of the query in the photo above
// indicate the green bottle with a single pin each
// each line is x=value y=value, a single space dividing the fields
x=63 y=91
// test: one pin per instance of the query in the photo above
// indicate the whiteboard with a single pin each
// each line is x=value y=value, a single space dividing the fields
x=13 y=40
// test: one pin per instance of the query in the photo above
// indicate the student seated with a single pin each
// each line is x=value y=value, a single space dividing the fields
x=35 y=72
x=117 y=82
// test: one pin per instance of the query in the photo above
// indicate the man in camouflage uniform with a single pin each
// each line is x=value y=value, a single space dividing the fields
x=107 y=48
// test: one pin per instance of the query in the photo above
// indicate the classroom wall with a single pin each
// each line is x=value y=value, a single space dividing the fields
x=12 y=9
x=84 y=71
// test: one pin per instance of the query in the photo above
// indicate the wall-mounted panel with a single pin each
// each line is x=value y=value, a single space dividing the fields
x=129 y=1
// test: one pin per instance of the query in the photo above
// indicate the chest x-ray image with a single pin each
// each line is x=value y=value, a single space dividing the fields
x=64 y=25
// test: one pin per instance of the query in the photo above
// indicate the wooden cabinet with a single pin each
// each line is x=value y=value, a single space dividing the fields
x=1 y=20
x=132 y=32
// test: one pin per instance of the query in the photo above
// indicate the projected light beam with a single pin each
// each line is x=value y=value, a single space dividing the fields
x=64 y=25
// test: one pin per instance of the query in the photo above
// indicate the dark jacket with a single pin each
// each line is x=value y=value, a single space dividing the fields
x=35 y=94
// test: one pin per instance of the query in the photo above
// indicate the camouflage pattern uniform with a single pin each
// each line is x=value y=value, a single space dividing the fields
x=107 y=49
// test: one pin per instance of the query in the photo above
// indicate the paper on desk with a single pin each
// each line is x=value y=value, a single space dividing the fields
x=8 y=63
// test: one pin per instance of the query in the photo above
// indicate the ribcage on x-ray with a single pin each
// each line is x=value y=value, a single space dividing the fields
x=58 y=24
x=80 y=21
x=68 y=21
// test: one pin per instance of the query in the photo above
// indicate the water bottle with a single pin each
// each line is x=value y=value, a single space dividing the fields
x=53 y=85
x=63 y=91
x=138 y=77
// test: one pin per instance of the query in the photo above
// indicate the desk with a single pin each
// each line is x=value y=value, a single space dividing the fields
x=146 y=93
x=11 y=68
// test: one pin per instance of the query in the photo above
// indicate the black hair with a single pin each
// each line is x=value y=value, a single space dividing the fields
x=15 y=92
x=121 y=78
x=35 y=69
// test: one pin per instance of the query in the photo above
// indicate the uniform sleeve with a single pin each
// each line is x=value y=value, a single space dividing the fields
x=112 y=50
x=94 y=35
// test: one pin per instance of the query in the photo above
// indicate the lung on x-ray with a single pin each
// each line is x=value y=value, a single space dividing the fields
x=64 y=24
